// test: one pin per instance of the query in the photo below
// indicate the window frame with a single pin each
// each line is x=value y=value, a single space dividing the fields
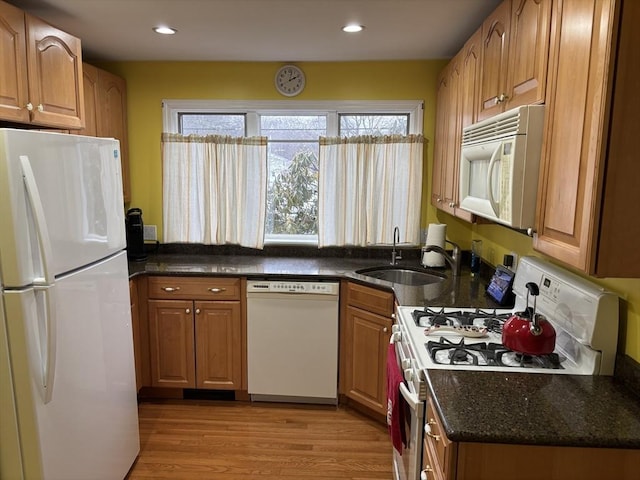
x=253 y=109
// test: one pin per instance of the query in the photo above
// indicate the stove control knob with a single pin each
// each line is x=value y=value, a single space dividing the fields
x=406 y=363
x=395 y=328
x=408 y=375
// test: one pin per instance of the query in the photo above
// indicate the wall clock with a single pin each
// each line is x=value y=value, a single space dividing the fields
x=289 y=80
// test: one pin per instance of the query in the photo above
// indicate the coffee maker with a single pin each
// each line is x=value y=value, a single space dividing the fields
x=135 y=235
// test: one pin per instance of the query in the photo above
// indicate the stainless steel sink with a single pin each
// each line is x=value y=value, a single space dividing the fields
x=403 y=275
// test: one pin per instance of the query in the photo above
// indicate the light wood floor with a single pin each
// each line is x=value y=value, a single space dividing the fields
x=195 y=439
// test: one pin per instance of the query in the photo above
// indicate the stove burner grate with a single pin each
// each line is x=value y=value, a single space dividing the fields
x=459 y=353
x=509 y=358
x=491 y=319
x=481 y=354
x=431 y=317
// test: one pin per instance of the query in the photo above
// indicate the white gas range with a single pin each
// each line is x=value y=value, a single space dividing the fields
x=585 y=318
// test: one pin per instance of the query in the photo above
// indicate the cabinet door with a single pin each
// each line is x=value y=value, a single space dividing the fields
x=366 y=342
x=453 y=137
x=171 y=337
x=91 y=100
x=445 y=188
x=112 y=119
x=218 y=345
x=495 y=50
x=55 y=76
x=447 y=135
x=470 y=78
x=528 y=52
x=439 y=147
x=573 y=140
x=13 y=74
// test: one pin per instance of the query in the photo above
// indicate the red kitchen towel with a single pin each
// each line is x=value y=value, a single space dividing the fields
x=395 y=413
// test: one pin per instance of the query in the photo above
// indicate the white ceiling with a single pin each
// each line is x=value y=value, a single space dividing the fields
x=265 y=30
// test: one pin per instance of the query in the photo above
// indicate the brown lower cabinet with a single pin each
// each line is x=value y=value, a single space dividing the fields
x=446 y=460
x=367 y=316
x=195 y=332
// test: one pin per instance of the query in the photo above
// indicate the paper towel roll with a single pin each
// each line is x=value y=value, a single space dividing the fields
x=436 y=235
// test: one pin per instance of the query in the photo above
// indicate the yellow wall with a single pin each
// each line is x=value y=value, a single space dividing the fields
x=148 y=83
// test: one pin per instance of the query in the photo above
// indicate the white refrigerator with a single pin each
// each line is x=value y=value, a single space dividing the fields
x=68 y=407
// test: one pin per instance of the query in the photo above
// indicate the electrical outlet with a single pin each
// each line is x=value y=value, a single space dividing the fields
x=150 y=233
x=514 y=267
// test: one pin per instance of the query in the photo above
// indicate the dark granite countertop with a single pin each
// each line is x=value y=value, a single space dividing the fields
x=536 y=409
x=488 y=407
x=462 y=291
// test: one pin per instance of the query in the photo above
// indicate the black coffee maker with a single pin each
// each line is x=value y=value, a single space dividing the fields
x=135 y=235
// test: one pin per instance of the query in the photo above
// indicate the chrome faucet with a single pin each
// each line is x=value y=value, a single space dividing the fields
x=453 y=259
x=395 y=256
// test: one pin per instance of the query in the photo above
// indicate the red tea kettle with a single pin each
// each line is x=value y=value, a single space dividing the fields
x=529 y=332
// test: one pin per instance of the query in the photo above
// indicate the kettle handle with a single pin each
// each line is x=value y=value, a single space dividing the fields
x=532 y=288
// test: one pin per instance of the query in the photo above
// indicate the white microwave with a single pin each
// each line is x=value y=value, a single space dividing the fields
x=499 y=165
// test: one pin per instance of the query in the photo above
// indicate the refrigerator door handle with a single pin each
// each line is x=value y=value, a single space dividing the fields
x=42 y=232
x=50 y=335
x=46 y=284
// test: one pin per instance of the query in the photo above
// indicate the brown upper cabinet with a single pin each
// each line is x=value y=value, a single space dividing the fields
x=503 y=65
x=105 y=97
x=515 y=50
x=588 y=199
x=452 y=103
x=41 y=75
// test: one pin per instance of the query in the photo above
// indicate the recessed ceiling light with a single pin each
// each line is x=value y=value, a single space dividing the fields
x=164 y=30
x=352 y=28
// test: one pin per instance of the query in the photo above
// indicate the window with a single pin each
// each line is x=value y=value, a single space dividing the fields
x=292 y=185
x=212 y=124
x=293 y=130
x=390 y=124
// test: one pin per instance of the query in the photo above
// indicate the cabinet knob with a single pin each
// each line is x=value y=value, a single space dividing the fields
x=423 y=473
x=29 y=106
x=170 y=289
x=503 y=98
x=40 y=108
x=217 y=290
x=427 y=430
x=197 y=311
x=187 y=310
x=385 y=329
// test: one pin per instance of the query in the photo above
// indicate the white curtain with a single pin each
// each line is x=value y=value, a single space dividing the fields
x=367 y=186
x=214 y=189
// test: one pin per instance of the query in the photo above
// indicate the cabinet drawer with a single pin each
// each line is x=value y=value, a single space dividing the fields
x=194 y=288
x=429 y=465
x=441 y=450
x=370 y=299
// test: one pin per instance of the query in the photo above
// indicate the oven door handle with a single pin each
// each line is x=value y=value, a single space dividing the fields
x=412 y=400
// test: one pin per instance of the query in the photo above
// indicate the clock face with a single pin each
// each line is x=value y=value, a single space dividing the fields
x=289 y=80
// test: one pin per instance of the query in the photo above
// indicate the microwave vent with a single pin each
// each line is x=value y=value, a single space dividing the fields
x=507 y=124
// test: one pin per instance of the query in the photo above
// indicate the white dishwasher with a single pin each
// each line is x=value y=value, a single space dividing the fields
x=292 y=341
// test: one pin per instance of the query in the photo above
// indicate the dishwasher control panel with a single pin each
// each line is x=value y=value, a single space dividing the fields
x=286 y=286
